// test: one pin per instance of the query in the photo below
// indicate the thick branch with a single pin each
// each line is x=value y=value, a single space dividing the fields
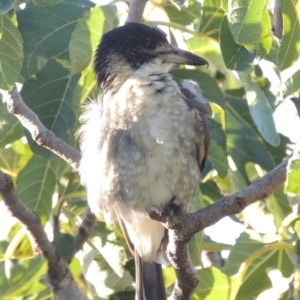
x=182 y=226
x=40 y=134
x=234 y=204
x=59 y=275
x=179 y=256
x=136 y=10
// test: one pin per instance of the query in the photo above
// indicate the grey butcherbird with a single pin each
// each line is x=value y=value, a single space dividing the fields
x=144 y=143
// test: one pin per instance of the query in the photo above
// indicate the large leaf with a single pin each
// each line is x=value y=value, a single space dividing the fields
x=110 y=259
x=211 y=18
x=218 y=158
x=19 y=278
x=244 y=143
x=6 y=5
x=85 y=39
x=236 y=57
x=49 y=95
x=251 y=259
x=279 y=206
x=36 y=184
x=260 y=110
x=10 y=127
x=180 y=14
x=292 y=184
x=45 y=2
x=47 y=32
x=14 y=157
x=245 y=19
x=289 y=50
x=292 y=84
x=11 y=51
x=209 y=49
x=208 y=85
x=215 y=285
x=266 y=36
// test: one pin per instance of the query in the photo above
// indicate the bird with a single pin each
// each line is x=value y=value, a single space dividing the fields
x=144 y=142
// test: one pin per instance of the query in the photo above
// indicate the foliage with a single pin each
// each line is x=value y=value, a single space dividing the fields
x=48 y=46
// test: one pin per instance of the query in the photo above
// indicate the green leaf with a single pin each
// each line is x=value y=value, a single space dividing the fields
x=257 y=258
x=110 y=258
x=10 y=127
x=64 y=244
x=236 y=57
x=224 y=4
x=180 y=14
x=244 y=143
x=70 y=186
x=111 y=17
x=36 y=184
x=211 y=18
x=260 y=110
x=85 y=39
x=209 y=49
x=127 y=295
x=292 y=185
x=215 y=285
x=266 y=36
x=49 y=94
x=6 y=5
x=289 y=50
x=210 y=191
x=47 y=32
x=208 y=85
x=11 y=51
x=291 y=84
x=18 y=277
x=14 y=158
x=245 y=19
x=45 y=2
x=217 y=133
x=297 y=227
x=218 y=158
x=279 y=206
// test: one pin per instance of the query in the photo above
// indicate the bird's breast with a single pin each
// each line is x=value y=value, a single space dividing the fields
x=151 y=146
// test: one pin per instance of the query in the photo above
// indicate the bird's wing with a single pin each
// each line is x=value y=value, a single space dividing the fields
x=196 y=102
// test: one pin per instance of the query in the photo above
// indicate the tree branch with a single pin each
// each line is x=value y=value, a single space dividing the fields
x=85 y=229
x=182 y=226
x=59 y=276
x=278 y=22
x=40 y=134
x=136 y=10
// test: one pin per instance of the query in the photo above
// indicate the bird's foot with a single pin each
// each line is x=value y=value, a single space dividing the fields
x=169 y=214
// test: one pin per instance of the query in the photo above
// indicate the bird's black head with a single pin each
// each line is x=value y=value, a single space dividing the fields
x=124 y=49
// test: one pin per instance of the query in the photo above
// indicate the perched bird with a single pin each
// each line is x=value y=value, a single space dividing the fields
x=144 y=142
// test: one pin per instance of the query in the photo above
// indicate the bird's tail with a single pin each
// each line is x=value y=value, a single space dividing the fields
x=149 y=280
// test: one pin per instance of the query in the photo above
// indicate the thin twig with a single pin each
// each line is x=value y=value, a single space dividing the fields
x=278 y=22
x=85 y=229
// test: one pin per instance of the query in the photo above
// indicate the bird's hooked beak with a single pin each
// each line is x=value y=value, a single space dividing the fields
x=179 y=56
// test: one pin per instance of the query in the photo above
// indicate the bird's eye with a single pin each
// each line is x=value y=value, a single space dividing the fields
x=150 y=45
